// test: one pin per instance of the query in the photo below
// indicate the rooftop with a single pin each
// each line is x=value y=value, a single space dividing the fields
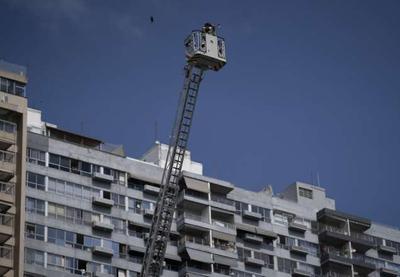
x=13 y=68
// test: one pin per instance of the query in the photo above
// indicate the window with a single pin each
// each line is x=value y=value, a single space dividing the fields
x=86 y=168
x=119 y=201
x=7 y=126
x=119 y=177
x=34 y=231
x=35 y=181
x=19 y=89
x=12 y=87
x=136 y=184
x=285 y=265
x=135 y=205
x=312 y=248
x=35 y=156
x=285 y=242
x=72 y=190
x=55 y=261
x=307 y=193
x=119 y=225
x=35 y=206
x=282 y=218
x=264 y=212
x=33 y=256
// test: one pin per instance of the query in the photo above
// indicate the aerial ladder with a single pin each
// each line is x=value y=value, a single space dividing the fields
x=204 y=51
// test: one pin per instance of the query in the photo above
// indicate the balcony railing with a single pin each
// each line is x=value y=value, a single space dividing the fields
x=7 y=188
x=335 y=274
x=196 y=240
x=364 y=259
x=230 y=247
x=333 y=229
x=223 y=224
x=7 y=156
x=194 y=217
x=354 y=256
x=6 y=252
x=8 y=127
x=192 y=269
x=7 y=220
x=222 y=200
x=195 y=194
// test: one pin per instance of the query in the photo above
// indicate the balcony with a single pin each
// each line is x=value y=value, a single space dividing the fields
x=253 y=238
x=223 y=226
x=295 y=249
x=386 y=272
x=7 y=165
x=102 y=251
x=102 y=226
x=335 y=274
x=198 y=243
x=193 y=220
x=193 y=196
x=362 y=263
x=6 y=259
x=297 y=227
x=301 y=273
x=332 y=234
x=151 y=189
x=103 y=202
x=188 y=271
x=6 y=227
x=8 y=134
x=222 y=202
x=251 y=215
x=227 y=249
x=254 y=261
x=148 y=212
x=388 y=250
x=102 y=274
x=329 y=216
x=102 y=177
x=7 y=195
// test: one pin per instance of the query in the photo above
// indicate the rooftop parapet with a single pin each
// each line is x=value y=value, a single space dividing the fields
x=13 y=71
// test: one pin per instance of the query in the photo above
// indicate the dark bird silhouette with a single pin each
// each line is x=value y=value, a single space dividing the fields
x=151 y=19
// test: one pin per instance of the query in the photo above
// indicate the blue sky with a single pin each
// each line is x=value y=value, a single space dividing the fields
x=310 y=86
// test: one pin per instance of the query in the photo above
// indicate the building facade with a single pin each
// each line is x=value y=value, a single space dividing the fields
x=13 y=132
x=88 y=210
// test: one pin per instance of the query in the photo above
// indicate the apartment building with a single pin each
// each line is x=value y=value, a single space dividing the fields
x=13 y=118
x=88 y=210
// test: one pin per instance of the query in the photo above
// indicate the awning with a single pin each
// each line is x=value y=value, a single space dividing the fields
x=196 y=185
x=199 y=256
x=225 y=261
x=223 y=236
x=266 y=233
x=245 y=227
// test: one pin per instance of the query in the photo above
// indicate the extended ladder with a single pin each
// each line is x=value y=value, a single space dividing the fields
x=167 y=198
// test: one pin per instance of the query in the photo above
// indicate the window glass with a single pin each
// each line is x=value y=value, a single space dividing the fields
x=51 y=235
x=86 y=167
x=307 y=193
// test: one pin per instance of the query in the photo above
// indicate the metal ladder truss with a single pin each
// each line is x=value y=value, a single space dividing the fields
x=167 y=198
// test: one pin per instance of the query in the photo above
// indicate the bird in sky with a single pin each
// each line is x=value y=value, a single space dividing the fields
x=151 y=19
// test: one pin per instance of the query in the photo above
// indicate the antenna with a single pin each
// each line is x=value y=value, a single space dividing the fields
x=318 y=184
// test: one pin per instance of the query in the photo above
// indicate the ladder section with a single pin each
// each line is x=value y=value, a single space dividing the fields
x=167 y=198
